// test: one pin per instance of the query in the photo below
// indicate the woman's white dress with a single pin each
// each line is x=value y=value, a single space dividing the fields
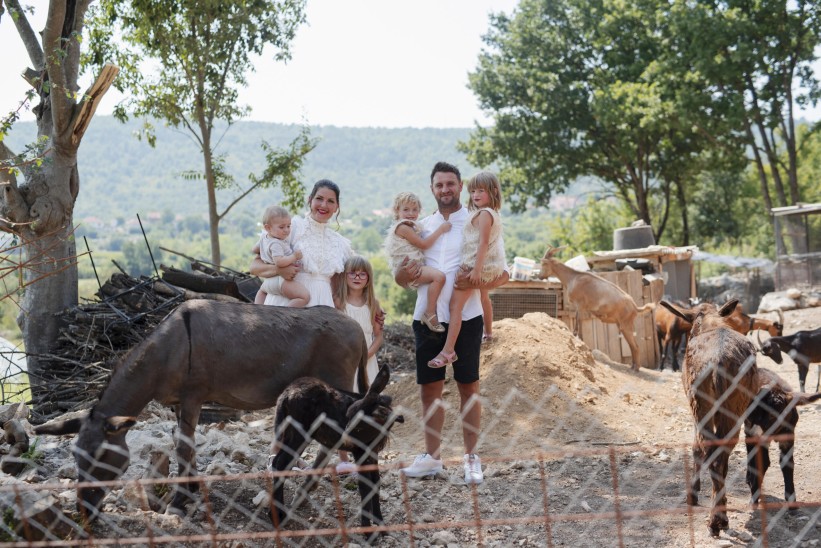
x=362 y=315
x=324 y=252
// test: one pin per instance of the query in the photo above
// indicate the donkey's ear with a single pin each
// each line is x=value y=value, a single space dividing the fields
x=118 y=425
x=70 y=423
x=380 y=381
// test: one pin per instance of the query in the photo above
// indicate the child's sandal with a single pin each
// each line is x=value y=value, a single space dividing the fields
x=432 y=323
x=442 y=359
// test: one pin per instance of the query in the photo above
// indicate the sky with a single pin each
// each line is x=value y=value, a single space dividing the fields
x=360 y=63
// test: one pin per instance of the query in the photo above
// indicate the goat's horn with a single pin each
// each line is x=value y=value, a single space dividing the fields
x=758 y=336
x=780 y=316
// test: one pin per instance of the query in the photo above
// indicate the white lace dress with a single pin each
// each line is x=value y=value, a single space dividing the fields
x=324 y=252
x=362 y=315
x=397 y=248
x=494 y=258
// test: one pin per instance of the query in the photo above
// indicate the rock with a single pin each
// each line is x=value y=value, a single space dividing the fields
x=37 y=516
x=793 y=293
x=11 y=411
x=777 y=300
x=444 y=538
x=261 y=498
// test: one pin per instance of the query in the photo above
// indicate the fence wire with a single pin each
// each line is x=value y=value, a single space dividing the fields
x=571 y=488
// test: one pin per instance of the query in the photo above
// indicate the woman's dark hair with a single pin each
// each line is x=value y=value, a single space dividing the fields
x=326 y=183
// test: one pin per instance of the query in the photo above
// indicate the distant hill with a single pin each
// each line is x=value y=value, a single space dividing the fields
x=121 y=175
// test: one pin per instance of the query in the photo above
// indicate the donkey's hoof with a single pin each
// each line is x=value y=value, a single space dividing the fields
x=718 y=523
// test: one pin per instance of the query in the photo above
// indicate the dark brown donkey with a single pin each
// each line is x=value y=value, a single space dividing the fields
x=238 y=355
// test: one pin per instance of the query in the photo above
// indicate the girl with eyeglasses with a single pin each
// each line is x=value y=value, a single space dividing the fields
x=355 y=297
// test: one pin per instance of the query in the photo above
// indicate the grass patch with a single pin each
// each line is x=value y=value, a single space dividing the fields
x=16 y=391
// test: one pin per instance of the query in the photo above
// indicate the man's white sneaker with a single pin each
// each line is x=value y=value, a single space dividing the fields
x=473 y=470
x=423 y=465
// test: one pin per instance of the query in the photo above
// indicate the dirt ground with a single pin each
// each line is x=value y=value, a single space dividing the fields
x=543 y=391
x=556 y=424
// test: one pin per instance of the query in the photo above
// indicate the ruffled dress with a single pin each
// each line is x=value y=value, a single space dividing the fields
x=362 y=315
x=324 y=252
x=397 y=247
x=494 y=258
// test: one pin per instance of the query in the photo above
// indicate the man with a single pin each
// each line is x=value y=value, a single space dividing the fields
x=445 y=255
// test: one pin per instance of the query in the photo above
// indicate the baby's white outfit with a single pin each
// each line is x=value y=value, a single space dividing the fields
x=269 y=249
x=324 y=252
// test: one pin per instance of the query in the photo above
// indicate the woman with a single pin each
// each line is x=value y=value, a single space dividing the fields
x=324 y=251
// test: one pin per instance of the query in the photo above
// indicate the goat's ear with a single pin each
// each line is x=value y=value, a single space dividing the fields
x=686 y=315
x=552 y=251
x=728 y=307
x=803 y=399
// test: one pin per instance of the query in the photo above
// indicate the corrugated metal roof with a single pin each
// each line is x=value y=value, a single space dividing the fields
x=798 y=209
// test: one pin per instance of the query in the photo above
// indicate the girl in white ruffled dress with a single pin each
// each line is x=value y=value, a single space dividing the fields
x=482 y=256
x=405 y=242
x=355 y=297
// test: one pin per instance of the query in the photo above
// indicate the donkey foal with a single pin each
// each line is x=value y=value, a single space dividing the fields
x=310 y=409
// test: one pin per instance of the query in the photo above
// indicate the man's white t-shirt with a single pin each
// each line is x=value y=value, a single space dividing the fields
x=446 y=255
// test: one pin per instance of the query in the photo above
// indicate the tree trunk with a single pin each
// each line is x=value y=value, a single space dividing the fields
x=211 y=185
x=41 y=209
x=52 y=273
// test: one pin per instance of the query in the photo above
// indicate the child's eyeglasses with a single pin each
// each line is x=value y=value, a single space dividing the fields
x=356 y=275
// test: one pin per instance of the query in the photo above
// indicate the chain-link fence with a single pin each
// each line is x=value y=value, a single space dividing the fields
x=577 y=488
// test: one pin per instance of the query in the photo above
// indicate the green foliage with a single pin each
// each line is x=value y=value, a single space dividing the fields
x=204 y=49
x=572 y=89
x=33 y=455
x=588 y=228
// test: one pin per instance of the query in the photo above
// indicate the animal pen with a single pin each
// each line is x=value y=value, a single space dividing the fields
x=569 y=459
x=668 y=270
x=797 y=245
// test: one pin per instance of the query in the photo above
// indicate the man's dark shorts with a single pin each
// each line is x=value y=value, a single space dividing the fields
x=468 y=347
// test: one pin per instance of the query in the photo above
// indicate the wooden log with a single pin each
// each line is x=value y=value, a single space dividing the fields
x=201 y=284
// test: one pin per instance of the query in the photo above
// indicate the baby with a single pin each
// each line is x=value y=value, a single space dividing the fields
x=405 y=240
x=273 y=248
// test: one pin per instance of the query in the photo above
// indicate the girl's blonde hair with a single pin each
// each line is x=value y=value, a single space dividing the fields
x=490 y=183
x=357 y=263
x=404 y=198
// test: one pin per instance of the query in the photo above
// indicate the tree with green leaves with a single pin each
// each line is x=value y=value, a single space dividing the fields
x=754 y=62
x=575 y=89
x=40 y=189
x=184 y=62
x=567 y=101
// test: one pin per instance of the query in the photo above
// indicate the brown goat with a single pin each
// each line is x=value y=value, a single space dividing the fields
x=725 y=389
x=744 y=324
x=605 y=300
x=773 y=417
x=671 y=329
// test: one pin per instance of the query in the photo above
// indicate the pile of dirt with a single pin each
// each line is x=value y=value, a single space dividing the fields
x=543 y=388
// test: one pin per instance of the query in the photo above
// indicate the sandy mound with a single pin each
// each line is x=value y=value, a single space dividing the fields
x=543 y=389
